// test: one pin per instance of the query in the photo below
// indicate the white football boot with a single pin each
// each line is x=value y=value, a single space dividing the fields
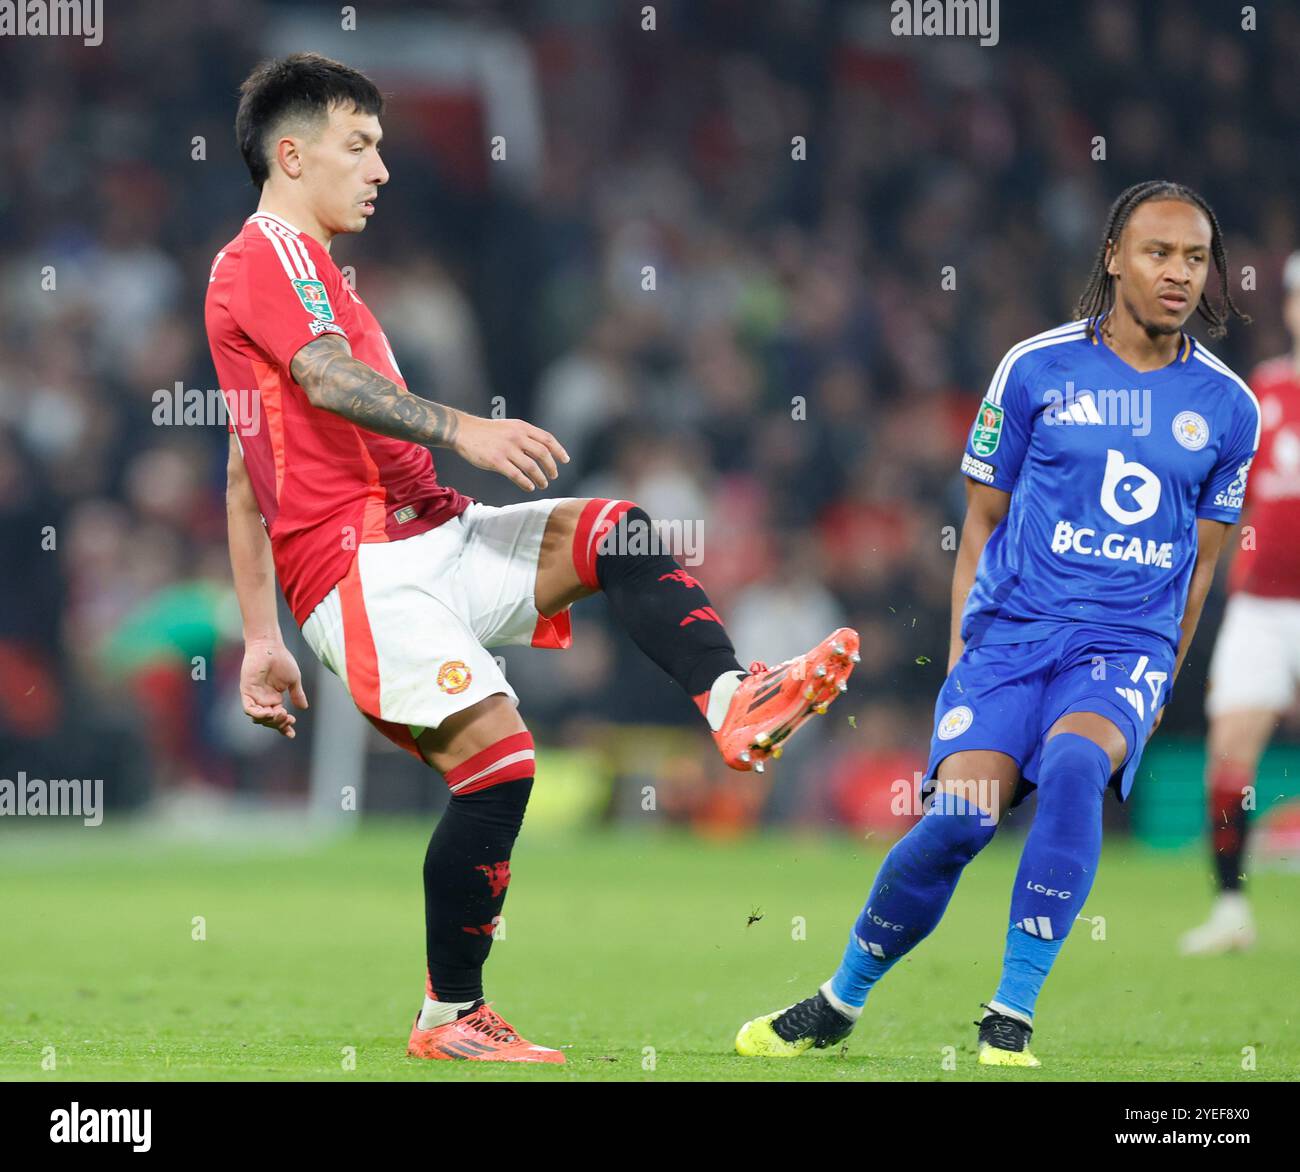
x=1230 y=928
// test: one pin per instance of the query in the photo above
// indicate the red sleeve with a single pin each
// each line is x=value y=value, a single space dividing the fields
x=285 y=300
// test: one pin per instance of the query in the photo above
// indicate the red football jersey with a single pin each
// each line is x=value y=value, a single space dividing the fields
x=323 y=485
x=1272 y=568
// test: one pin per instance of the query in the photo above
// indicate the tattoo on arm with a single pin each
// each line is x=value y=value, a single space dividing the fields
x=336 y=381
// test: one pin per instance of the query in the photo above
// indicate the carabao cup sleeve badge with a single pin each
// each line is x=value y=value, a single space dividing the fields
x=314 y=299
x=988 y=429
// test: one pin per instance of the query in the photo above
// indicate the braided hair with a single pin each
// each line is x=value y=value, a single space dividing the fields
x=1099 y=294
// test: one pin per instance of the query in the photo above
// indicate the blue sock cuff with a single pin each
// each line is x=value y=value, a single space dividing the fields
x=858 y=972
x=1025 y=966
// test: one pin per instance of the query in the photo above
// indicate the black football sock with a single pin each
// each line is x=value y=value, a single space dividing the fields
x=662 y=606
x=466 y=874
x=1229 y=822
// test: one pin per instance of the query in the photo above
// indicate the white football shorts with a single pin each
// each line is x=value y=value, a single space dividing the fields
x=408 y=629
x=1256 y=660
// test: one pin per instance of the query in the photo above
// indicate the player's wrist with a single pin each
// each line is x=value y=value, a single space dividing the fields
x=461 y=425
x=263 y=637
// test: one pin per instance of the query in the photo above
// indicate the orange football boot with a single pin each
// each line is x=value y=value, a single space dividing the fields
x=481 y=1036
x=771 y=703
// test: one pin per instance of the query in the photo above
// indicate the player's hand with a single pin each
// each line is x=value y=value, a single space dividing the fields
x=1156 y=723
x=267 y=673
x=523 y=454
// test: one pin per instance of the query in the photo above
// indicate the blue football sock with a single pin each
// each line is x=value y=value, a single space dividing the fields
x=1057 y=867
x=911 y=891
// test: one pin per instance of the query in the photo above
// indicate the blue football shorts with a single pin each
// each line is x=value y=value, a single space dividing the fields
x=1006 y=696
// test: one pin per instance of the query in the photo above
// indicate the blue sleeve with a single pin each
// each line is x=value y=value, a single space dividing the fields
x=1224 y=491
x=999 y=437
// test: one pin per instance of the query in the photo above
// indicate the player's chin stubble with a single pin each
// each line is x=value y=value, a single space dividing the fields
x=1154 y=329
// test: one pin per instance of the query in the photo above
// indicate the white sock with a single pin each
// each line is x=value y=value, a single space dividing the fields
x=995 y=1007
x=724 y=687
x=436 y=1013
x=852 y=1012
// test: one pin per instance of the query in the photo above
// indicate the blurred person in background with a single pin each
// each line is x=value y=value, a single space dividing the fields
x=1255 y=670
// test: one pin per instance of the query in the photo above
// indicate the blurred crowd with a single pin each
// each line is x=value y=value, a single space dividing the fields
x=769 y=259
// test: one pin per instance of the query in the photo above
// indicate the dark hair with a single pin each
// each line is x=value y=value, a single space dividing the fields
x=302 y=85
x=1099 y=294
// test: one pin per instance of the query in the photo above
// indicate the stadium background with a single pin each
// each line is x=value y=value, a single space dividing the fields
x=517 y=283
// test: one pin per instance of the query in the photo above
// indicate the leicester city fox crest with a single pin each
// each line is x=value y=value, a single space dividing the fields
x=954 y=722
x=1191 y=430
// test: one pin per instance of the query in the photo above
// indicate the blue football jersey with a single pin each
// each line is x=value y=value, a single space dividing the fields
x=1108 y=469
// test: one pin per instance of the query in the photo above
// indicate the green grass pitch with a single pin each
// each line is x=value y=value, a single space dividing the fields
x=636 y=953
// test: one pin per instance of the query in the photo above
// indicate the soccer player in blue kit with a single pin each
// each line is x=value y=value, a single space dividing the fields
x=1105 y=467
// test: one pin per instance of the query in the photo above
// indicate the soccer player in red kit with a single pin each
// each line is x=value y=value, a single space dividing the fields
x=399 y=583
x=1255 y=669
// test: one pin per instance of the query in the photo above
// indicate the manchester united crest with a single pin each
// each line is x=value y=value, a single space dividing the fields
x=454 y=677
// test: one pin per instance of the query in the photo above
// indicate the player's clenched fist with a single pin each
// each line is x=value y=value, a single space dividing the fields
x=267 y=673
x=515 y=448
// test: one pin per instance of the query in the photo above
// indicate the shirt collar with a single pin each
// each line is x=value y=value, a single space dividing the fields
x=275 y=220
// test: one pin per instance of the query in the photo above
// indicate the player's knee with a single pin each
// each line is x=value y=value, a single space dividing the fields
x=496 y=779
x=1074 y=769
x=1094 y=728
x=623 y=546
x=956 y=828
x=501 y=805
x=606 y=531
x=626 y=530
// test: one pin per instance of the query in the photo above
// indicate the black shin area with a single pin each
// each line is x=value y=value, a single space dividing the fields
x=466 y=874
x=662 y=606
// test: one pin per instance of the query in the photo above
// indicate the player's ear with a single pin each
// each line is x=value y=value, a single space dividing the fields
x=289 y=157
x=1112 y=263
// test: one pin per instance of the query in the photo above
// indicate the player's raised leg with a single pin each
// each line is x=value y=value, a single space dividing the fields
x=911 y=891
x=486 y=756
x=611 y=545
x=1057 y=867
x=1236 y=742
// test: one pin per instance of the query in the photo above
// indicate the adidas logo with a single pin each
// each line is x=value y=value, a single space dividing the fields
x=1039 y=926
x=1155 y=682
x=1076 y=409
x=1134 y=697
x=870 y=946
